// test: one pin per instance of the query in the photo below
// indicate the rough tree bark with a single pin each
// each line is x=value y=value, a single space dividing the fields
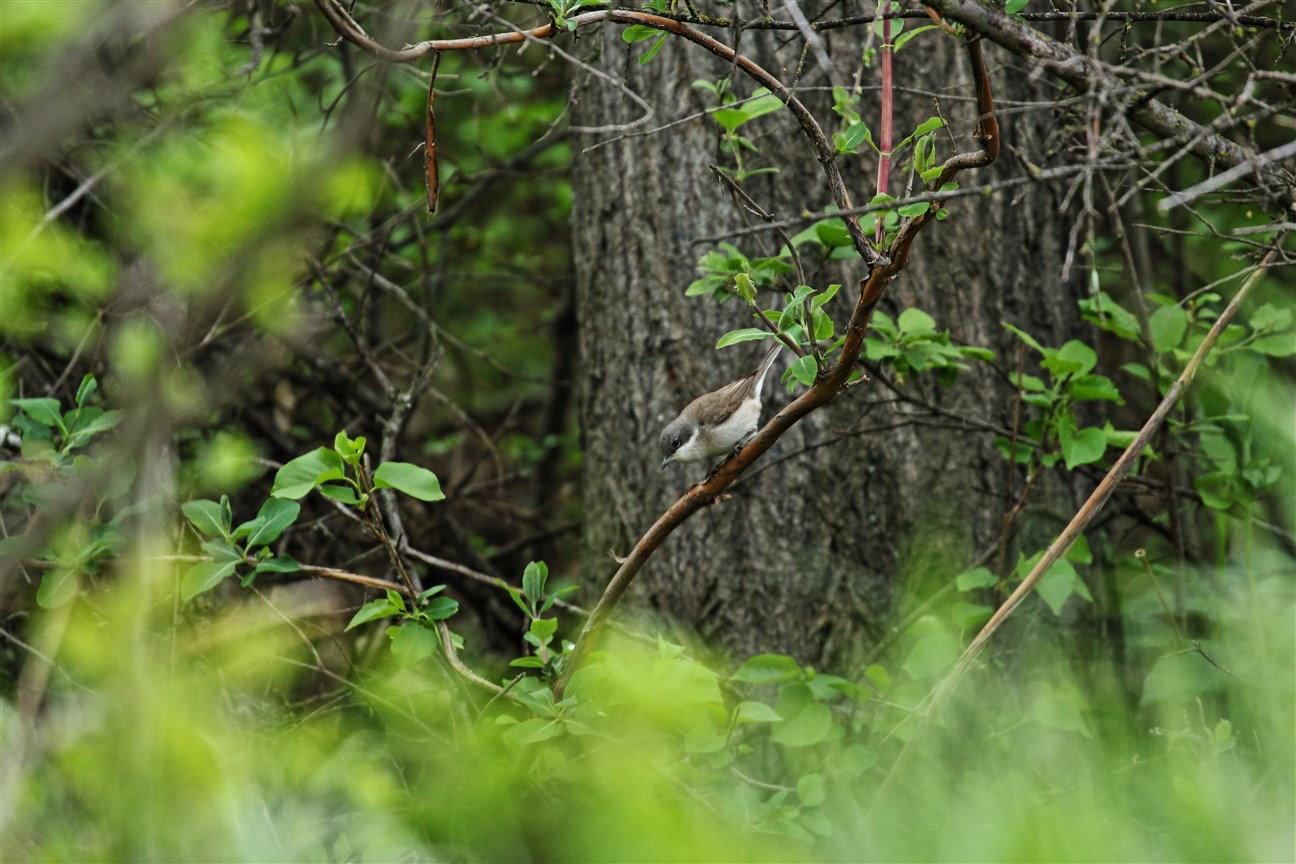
x=859 y=501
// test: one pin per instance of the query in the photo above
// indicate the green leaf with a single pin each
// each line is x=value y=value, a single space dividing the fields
x=528 y=663
x=516 y=595
x=905 y=37
x=544 y=628
x=970 y=580
x=533 y=580
x=915 y=322
x=1217 y=489
x=221 y=549
x=652 y=51
x=413 y=480
x=1093 y=387
x=810 y=789
x=705 y=285
x=345 y=494
x=1270 y=317
x=278 y=564
x=755 y=712
x=299 y=476
x=819 y=300
x=875 y=349
x=1059 y=584
x=350 y=449
x=441 y=608
x=275 y=515
x=918 y=209
x=806 y=728
x=972 y=352
x=1102 y=310
x=1084 y=447
x=931 y=655
x=762 y=102
x=535 y=730
x=639 y=32
x=730 y=118
x=855 y=135
x=435 y=589
x=844 y=104
x=412 y=643
x=831 y=233
x=44 y=411
x=877 y=674
x=1025 y=337
x=204 y=576
x=1073 y=358
x=744 y=287
x=57 y=587
x=824 y=328
x=1275 y=344
x=767 y=669
x=380 y=608
x=1168 y=326
x=1180 y=679
x=803 y=370
x=1054 y=710
x=89 y=385
x=553 y=596
x=207 y=516
x=747 y=334
x=88 y=422
x=971 y=614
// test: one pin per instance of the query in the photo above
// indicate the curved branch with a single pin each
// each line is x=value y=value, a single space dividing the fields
x=1090 y=509
x=882 y=268
x=828 y=385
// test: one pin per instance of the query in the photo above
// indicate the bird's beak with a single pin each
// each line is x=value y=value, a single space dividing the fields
x=666 y=462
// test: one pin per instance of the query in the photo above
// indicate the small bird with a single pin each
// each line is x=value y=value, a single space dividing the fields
x=717 y=423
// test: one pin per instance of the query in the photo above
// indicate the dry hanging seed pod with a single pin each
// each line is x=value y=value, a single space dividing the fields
x=430 y=147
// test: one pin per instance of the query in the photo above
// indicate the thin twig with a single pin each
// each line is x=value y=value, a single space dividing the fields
x=1082 y=518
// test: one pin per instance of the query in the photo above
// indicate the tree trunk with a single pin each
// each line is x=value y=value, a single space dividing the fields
x=859 y=501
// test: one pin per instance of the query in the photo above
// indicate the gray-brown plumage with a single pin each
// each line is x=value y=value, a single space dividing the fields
x=714 y=424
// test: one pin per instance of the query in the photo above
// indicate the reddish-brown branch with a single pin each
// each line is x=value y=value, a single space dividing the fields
x=829 y=383
x=430 y=145
x=882 y=269
x=888 y=110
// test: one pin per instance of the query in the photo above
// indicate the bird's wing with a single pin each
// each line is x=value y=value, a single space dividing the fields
x=718 y=406
x=725 y=401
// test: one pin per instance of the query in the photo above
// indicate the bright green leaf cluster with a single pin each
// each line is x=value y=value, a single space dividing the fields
x=1055 y=432
x=213 y=521
x=911 y=344
x=335 y=473
x=534 y=602
x=733 y=114
x=727 y=272
x=56 y=471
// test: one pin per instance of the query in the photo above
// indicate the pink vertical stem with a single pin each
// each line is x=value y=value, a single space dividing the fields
x=884 y=144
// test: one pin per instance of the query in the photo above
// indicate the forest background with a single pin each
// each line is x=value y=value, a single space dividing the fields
x=334 y=359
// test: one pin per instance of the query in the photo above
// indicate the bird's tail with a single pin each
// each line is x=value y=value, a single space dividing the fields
x=765 y=365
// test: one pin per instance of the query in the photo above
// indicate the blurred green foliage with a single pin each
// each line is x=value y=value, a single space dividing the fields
x=232 y=266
